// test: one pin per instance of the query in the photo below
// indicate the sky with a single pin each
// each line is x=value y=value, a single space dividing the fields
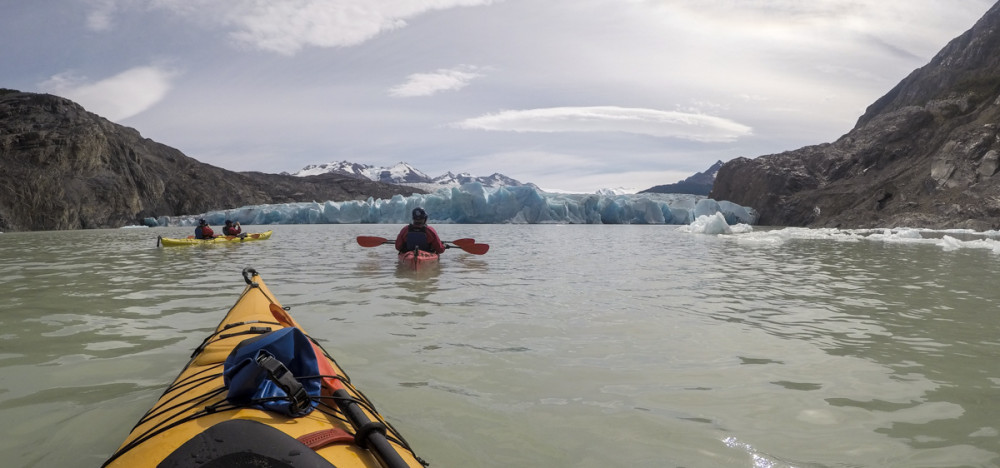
x=571 y=95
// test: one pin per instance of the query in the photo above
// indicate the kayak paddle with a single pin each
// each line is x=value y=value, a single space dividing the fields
x=475 y=249
x=371 y=241
x=467 y=244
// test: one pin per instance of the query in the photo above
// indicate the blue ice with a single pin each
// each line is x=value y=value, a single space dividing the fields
x=475 y=204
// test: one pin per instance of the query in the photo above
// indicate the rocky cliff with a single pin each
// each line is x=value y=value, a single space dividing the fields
x=698 y=184
x=924 y=155
x=62 y=167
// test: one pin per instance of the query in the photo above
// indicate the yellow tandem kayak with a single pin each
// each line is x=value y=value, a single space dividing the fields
x=190 y=240
x=198 y=421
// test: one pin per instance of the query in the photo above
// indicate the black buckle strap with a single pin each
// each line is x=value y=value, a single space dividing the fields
x=361 y=436
x=251 y=331
x=284 y=379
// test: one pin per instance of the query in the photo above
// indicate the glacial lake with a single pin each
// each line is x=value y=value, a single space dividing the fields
x=564 y=346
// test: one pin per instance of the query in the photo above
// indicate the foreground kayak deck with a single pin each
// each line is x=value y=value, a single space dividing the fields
x=170 y=242
x=193 y=423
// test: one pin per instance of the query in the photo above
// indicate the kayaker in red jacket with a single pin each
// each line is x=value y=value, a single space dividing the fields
x=231 y=228
x=418 y=234
x=203 y=231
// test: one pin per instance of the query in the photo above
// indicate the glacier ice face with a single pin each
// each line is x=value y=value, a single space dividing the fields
x=475 y=204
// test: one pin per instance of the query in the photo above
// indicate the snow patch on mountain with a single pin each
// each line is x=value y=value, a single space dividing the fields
x=616 y=191
x=405 y=174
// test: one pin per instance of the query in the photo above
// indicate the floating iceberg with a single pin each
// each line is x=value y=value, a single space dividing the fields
x=475 y=204
x=715 y=224
x=947 y=239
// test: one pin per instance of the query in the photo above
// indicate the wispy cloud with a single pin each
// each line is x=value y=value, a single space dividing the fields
x=426 y=84
x=657 y=123
x=287 y=26
x=117 y=97
x=899 y=28
x=99 y=18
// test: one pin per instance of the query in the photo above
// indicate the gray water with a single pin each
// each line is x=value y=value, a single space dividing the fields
x=564 y=346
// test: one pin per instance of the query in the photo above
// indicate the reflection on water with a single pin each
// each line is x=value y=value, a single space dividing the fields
x=577 y=346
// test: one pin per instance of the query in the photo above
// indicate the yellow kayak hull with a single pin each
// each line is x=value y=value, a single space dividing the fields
x=180 y=414
x=172 y=242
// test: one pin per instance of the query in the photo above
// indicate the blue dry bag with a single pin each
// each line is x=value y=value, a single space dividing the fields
x=276 y=371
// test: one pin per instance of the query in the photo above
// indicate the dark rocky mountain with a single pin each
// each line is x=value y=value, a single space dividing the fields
x=698 y=184
x=62 y=167
x=924 y=155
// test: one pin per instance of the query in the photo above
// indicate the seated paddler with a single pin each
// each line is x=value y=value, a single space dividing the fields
x=418 y=235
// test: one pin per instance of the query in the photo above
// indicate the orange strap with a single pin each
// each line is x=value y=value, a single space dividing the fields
x=320 y=439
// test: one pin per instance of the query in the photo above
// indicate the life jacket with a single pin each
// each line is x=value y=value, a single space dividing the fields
x=417 y=239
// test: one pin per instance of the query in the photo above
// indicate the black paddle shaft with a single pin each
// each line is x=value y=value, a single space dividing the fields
x=369 y=434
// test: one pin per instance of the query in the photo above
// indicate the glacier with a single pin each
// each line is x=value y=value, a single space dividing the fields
x=474 y=203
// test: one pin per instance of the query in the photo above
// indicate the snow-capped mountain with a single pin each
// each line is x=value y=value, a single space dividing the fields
x=399 y=174
x=495 y=180
x=405 y=174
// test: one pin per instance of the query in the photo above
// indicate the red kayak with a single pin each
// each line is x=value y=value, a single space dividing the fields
x=417 y=259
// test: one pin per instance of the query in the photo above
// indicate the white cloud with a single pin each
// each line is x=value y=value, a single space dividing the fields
x=100 y=16
x=115 y=98
x=903 y=28
x=657 y=123
x=287 y=26
x=426 y=84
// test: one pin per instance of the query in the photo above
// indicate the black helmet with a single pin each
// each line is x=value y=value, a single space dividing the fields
x=202 y=222
x=419 y=213
x=229 y=221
